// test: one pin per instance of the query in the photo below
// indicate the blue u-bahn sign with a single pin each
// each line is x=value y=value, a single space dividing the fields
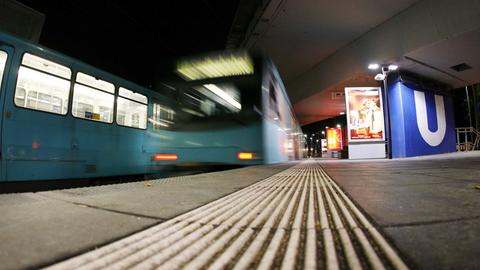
x=421 y=120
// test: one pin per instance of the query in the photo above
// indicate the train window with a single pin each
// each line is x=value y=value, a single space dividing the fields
x=3 y=61
x=41 y=91
x=273 y=102
x=163 y=116
x=46 y=66
x=95 y=83
x=132 y=95
x=131 y=113
x=92 y=104
x=131 y=109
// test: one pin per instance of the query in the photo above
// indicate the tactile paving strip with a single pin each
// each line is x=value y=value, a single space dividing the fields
x=296 y=219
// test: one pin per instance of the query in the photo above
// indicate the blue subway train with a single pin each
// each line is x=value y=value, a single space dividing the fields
x=64 y=119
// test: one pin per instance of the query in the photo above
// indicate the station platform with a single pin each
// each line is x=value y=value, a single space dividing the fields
x=314 y=214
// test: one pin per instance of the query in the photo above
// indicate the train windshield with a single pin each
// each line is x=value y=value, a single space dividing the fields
x=214 y=101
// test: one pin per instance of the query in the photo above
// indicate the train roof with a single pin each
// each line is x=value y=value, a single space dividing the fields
x=25 y=45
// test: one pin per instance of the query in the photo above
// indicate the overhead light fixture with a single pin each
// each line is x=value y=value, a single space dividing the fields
x=379 y=77
x=339 y=126
x=373 y=66
x=392 y=67
x=215 y=66
x=342 y=113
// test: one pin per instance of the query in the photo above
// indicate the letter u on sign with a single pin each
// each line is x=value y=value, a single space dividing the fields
x=432 y=138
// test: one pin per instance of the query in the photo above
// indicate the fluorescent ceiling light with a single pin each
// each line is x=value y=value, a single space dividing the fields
x=373 y=66
x=392 y=67
x=219 y=92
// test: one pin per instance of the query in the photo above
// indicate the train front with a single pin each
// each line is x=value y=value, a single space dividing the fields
x=219 y=117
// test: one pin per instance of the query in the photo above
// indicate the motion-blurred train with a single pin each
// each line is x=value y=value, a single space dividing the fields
x=234 y=109
x=64 y=119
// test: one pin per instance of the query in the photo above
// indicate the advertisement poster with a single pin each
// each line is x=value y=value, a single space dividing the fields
x=334 y=139
x=364 y=114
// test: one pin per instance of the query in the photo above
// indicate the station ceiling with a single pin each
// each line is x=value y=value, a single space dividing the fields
x=306 y=39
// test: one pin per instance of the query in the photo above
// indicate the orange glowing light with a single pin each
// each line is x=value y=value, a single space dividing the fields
x=245 y=155
x=334 y=138
x=35 y=145
x=165 y=157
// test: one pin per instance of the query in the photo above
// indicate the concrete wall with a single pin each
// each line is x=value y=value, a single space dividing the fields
x=420 y=123
x=421 y=25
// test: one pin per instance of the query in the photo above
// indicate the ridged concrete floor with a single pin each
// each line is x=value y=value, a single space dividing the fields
x=298 y=218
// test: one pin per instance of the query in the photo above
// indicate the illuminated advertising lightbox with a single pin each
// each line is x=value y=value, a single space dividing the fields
x=334 y=139
x=324 y=145
x=364 y=114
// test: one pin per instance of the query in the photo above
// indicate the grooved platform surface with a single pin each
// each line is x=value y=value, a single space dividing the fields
x=298 y=218
x=38 y=229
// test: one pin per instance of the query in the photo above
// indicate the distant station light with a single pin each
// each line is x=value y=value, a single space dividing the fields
x=215 y=66
x=342 y=113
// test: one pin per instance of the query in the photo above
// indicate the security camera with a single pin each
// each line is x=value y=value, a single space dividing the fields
x=379 y=77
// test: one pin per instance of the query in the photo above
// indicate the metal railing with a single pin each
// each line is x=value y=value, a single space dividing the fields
x=468 y=139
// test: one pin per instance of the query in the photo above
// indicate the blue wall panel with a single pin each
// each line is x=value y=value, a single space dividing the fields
x=405 y=115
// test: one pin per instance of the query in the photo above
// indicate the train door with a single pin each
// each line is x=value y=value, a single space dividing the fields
x=6 y=53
